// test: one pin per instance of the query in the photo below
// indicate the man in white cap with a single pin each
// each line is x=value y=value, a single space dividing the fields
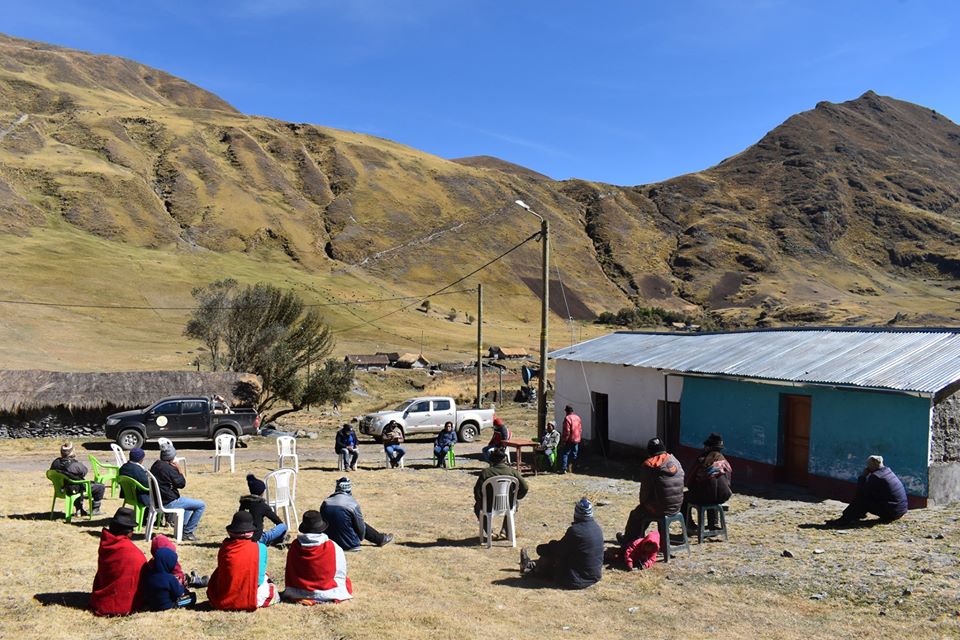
x=68 y=465
x=576 y=560
x=879 y=491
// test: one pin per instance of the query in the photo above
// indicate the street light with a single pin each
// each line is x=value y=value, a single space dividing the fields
x=544 y=310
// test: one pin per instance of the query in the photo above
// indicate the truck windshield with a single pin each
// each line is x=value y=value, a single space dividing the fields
x=403 y=405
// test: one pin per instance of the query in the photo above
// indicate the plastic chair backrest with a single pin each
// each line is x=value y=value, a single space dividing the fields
x=281 y=487
x=286 y=446
x=505 y=490
x=225 y=444
x=58 y=480
x=164 y=442
x=155 y=500
x=118 y=455
x=129 y=488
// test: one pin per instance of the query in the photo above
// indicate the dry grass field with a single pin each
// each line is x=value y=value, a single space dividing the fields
x=435 y=581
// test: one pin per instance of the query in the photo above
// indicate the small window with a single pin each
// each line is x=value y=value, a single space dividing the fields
x=168 y=408
x=421 y=407
x=441 y=405
x=192 y=406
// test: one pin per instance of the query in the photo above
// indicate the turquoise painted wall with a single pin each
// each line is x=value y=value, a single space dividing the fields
x=845 y=426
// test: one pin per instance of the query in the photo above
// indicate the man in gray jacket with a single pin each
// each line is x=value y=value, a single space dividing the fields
x=347 y=528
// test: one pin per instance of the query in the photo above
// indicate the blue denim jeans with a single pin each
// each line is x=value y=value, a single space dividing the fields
x=568 y=454
x=395 y=452
x=271 y=536
x=487 y=450
x=193 y=511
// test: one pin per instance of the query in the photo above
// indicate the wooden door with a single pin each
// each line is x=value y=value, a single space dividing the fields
x=796 y=438
x=668 y=424
x=599 y=420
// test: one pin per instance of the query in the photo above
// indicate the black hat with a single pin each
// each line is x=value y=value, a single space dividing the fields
x=124 y=518
x=312 y=522
x=655 y=446
x=242 y=523
x=714 y=440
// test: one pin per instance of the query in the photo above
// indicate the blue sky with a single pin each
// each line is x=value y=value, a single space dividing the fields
x=623 y=92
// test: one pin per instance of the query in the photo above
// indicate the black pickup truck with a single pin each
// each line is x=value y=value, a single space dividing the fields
x=179 y=418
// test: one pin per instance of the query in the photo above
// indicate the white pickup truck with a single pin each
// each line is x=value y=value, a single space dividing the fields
x=428 y=415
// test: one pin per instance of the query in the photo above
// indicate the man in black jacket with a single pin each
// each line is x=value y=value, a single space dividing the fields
x=170 y=480
x=68 y=465
x=259 y=509
x=133 y=468
x=576 y=560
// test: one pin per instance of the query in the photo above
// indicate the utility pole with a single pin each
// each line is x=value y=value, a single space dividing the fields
x=479 y=346
x=544 y=310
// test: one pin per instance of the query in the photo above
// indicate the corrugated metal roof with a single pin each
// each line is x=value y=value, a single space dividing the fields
x=919 y=361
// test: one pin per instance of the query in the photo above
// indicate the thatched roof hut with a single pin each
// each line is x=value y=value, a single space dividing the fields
x=32 y=389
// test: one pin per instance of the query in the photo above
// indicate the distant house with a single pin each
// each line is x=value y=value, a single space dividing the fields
x=376 y=361
x=804 y=406
x=391 y=355
x=411 y=361
x=508 y=353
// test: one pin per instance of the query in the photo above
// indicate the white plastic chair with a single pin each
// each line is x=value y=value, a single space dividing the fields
x=119 y=456
x=287 y=448
x=282 y=494
x=386 y=460
x=505 y=490
x=180 y=461
x=225 y=446
x=156 y=506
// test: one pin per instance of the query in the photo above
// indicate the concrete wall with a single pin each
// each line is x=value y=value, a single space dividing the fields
x=632 y=393
x=845 y=427
x=945 y=451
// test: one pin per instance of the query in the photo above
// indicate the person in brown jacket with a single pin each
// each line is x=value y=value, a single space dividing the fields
x=661 y=490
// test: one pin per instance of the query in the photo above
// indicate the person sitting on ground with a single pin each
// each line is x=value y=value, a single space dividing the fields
x=570 y=440
x=347 y=447
x=161 y=541
x=344 y=518
x=444 y=442
x=162 y=589
x=133 y=468
x=498 y=467
x=171 y=480
x=549 y=442
x=116 y=586
x=257 y=505
x=639 y=554
x=240 y=581
x=500 y=433
x=316 y=565
x=710 y=481
x=392 y=436
x=879 y=491
x=576 y=560
x=68 y=465
x=661 y=490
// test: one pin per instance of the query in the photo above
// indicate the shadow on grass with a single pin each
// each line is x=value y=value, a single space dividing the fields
x=519 y=582
x=472 y=541
x=43 y=515
x=829 y=526
x=72 y=599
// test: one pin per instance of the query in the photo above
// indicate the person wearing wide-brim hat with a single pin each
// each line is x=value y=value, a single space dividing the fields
x=116 y=586
x=709 y=483
x=240 y=581
x=316 y=565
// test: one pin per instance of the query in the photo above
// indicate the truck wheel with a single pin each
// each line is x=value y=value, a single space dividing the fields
x=130 y=439
x=468 y=432
x=224 y=431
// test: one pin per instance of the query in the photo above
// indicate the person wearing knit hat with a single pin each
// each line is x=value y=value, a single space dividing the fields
x=709 y=483
x=240 y=582
x=345 y=523
x=170 y=480
x=500 y=433
x=134 y=468
x=316 y=565
x=257 y=505
x=661 y=491
x=498 y=467
x=576 y=560
x=68 y=465
x=879 y=492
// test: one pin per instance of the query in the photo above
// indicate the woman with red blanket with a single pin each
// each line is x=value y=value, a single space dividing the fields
x=116 y=587
x=240 y=581
x=316 y=565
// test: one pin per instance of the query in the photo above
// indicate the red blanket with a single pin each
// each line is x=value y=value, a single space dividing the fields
x=313 y=567
x=117 y=583
x=233 y=585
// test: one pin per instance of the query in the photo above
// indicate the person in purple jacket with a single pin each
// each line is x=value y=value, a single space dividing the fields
x=879 y=491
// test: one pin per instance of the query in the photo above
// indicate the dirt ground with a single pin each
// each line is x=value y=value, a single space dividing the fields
x=436 y=581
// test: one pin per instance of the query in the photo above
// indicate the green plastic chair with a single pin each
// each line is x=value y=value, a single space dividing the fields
x=551 y=459
x=451 y=458
x=129 y=489
x=105 y=473
x=59 y=491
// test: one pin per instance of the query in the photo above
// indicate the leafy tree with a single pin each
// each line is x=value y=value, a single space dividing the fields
x=269 y=332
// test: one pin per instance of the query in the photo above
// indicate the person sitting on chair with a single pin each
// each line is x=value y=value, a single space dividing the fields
x=170 y=481
x=240 y=581
x=549 y=442
x=392 y=436
x=576 y=560
x=500 y=433
x=444 y=443
x=68 y=465
x=316 y=565
x=259 y=509
x=498 y=467
x=116 y=586
x=710 y=481
x=661 y=490
x=346 y=525
x=879 y=491
x=133 y=468
x=347 y=447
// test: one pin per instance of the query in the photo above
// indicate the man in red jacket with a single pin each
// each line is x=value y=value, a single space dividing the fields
x=570 y=440
x=116 y=587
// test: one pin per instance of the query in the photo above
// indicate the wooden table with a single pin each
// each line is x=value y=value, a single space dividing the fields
x=518 y=445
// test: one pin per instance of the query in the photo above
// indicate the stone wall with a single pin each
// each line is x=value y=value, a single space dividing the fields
x=54 y=423
x=945 y=431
